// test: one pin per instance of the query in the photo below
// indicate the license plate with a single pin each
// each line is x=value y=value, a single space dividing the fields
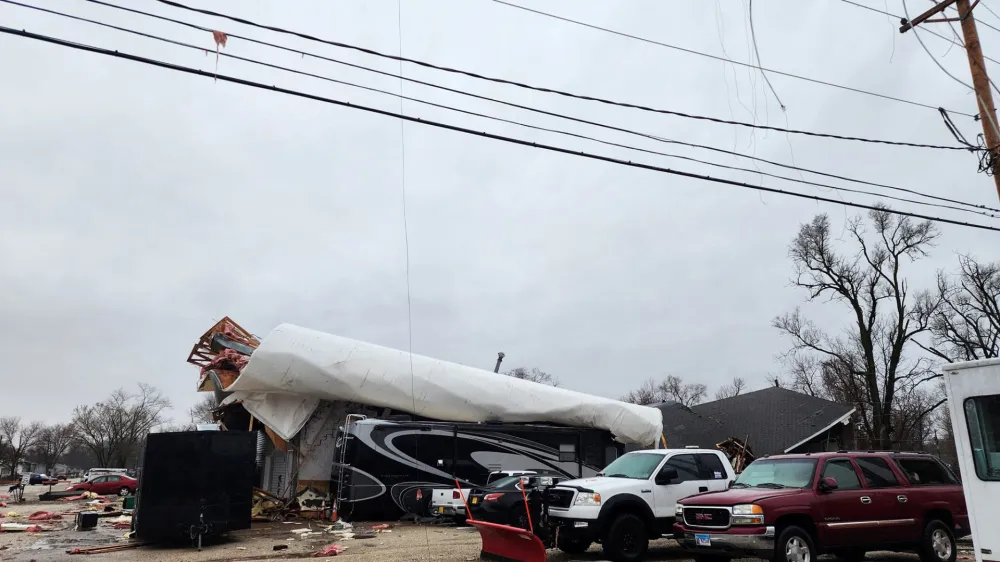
x=441 y=509
x=702 y=540
x=475 y=500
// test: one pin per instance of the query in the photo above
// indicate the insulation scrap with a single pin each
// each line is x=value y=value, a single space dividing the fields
x=43 y=516
x=226 y=360
x=330 y=550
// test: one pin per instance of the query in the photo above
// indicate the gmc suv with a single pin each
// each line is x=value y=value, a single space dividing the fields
x=792 y=508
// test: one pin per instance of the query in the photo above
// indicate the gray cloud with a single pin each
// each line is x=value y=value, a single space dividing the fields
x=138 y=205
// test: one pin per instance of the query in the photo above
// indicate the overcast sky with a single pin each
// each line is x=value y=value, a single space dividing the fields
x=139 y=205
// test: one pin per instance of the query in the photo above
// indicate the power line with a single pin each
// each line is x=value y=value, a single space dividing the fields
x=483 y=134
x=543 y=89
x=715 y=57
x=926 y=30
x=972 y=208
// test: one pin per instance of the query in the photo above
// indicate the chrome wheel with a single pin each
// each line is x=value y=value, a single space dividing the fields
x=941 y=544
x=796 y=550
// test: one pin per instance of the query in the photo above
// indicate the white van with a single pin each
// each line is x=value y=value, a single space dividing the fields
x=95 y=472
x=974 y=404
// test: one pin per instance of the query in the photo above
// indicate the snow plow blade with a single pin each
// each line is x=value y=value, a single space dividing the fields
x=508 y=544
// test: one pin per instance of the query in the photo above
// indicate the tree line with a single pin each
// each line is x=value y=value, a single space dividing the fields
x=885 y=359
x=109 y=433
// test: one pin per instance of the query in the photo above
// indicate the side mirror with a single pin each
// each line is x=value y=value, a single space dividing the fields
x=666 y=476
x=828 y=484
x=730 y=484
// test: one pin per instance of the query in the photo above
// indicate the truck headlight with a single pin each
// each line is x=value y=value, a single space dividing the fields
x=587 y=499
x=748 y=514
x=679 y=510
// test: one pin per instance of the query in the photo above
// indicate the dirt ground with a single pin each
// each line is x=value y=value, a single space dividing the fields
x=401 y=543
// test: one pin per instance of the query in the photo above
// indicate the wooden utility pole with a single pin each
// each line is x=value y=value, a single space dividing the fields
x=980 y=80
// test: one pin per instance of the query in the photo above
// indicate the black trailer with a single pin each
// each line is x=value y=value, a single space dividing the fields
x=195 y=484
x=388 y=469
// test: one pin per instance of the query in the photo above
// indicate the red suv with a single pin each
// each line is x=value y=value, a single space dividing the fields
x=792 y=508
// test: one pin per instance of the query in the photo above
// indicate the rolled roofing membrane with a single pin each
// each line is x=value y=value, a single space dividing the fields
x=294 y=368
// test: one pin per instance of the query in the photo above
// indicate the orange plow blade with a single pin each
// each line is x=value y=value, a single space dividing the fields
x=509 y=544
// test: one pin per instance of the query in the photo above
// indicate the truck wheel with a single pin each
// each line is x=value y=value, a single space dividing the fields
x=794 y=545
x=518 y=517
x=938 y=543
x=627 y=539
x=573 y=545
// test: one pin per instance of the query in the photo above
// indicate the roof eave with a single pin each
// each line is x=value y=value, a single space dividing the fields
x=842 y=419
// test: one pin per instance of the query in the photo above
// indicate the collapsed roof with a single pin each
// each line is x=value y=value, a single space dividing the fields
x=293 y=368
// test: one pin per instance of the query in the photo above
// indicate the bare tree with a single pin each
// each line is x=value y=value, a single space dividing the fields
x=672 y=388
x=646 y=394
x=19 y=437
x=867 y=365
x=113 y=430
x=52 y=443
x=202 y=411
x=534 y=375
x=967 y=324
x=732 y=389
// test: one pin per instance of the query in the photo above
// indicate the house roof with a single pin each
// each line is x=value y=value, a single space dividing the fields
x=683 y=427
x=775 y=419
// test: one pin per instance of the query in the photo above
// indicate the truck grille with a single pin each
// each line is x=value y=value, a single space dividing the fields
x=709 y=517
x=560 y=498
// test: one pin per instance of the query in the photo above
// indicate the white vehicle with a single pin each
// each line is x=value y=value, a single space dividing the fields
x=95 y=472
x=450 y=502
x=974 y=403
x=633 y=500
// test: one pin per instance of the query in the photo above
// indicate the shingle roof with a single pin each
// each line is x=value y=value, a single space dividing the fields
x=774 y=418
x=683 y=427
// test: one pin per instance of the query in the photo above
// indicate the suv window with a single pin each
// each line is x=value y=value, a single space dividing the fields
x=925 y=471
x=711 y=467
x=877 y=472
x=687 y=468
x=982 y=414
x=843 y=472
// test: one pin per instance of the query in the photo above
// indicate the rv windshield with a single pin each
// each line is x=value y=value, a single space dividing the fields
x=633 y=465
x=777 y=473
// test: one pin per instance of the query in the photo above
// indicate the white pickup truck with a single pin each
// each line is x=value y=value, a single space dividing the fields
x=450 y=502
x=633 y=500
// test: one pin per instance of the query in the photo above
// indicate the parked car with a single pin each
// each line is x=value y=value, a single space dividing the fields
x=107 y=485
x=633 y=500
x=503 y=501
x=791 y=508
x=43 y=479
x=451 y=502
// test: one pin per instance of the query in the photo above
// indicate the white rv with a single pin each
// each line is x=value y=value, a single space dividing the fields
x=974 y=401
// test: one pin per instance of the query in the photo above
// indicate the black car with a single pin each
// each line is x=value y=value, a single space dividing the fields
x=503 y=501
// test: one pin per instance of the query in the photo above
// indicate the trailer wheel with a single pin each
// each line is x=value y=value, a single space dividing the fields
x=627 y=539
x=573 y=545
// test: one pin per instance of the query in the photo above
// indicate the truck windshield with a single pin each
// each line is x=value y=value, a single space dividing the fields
x=777 y=473
x=633 y=465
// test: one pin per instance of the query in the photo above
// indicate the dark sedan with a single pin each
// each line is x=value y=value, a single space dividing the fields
x=503 y=501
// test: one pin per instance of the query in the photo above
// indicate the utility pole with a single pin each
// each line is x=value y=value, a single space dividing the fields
x=980 y=80
x=500 y=357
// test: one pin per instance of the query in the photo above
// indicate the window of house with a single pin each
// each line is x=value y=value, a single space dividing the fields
x=877 y=472
x=843 y=472
x=686 y=466
x=925 y=471
x=711 y=467
x=982 y=415
x=567 y=452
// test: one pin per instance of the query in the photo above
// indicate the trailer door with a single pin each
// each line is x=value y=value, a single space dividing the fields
x=974 y=401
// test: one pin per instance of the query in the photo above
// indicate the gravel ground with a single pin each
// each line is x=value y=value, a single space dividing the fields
x=402 y=543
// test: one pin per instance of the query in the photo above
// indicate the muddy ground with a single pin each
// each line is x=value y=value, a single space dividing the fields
x=401 y=543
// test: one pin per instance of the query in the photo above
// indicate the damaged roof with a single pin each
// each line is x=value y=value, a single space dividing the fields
x=683 y=427
x=775 y=419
